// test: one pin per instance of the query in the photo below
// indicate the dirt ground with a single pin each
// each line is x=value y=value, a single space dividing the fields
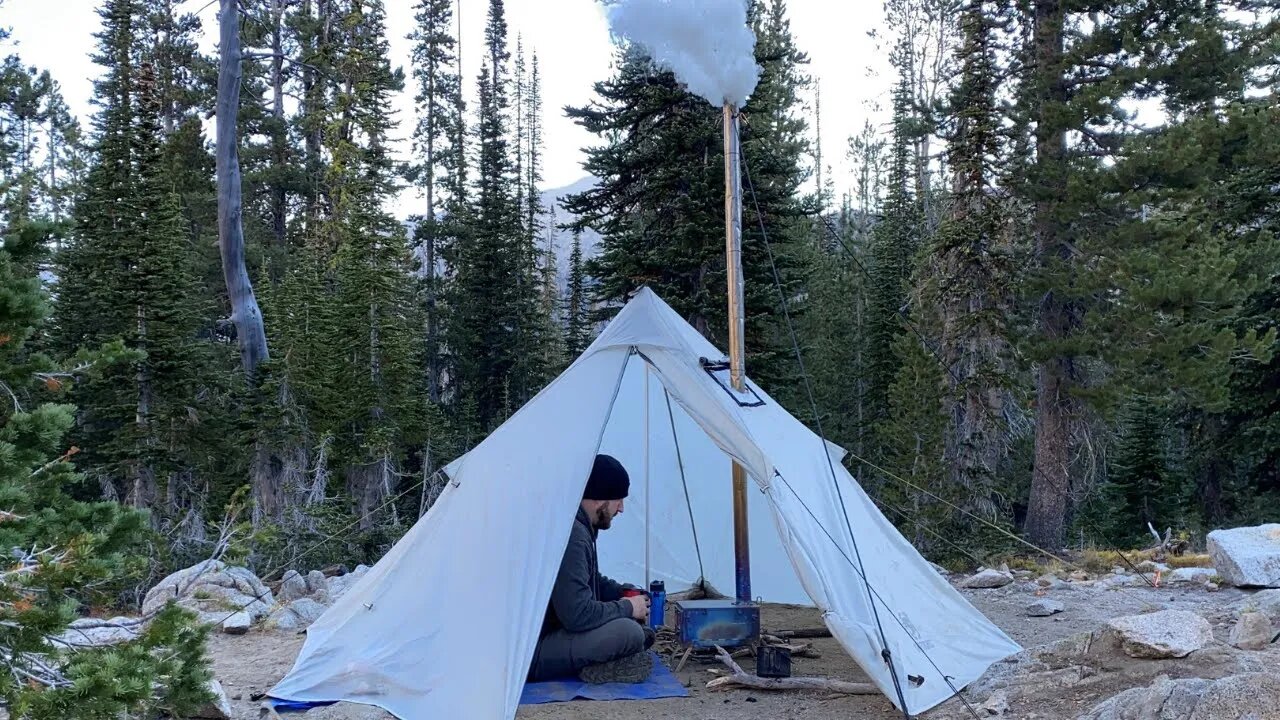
x=252 y=663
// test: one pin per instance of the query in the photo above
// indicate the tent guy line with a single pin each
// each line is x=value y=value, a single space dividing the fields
x=817 y=419
x=947 y=678
x=675 y=439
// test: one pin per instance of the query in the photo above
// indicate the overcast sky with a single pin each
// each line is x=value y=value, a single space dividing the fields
x=574 y=49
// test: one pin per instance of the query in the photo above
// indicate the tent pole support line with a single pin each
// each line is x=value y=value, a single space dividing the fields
x=648 y=531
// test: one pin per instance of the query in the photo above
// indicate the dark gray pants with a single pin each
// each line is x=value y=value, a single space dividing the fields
x=562 y=654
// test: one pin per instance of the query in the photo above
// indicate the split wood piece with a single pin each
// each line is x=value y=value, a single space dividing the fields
x=688 y=651
x=741 y=678
x=804 y=633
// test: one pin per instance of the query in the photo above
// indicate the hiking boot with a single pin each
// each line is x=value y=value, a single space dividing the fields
x=630 y=669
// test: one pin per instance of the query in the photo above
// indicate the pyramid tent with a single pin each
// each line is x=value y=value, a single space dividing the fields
x=445 y=624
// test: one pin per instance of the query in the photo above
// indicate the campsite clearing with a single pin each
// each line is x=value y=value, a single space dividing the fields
x=251 y=663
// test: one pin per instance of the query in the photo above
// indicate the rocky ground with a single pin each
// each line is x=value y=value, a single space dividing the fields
x=1158 y=643
x=1074 y=663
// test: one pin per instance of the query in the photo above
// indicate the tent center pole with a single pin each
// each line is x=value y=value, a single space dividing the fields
x=733 y=263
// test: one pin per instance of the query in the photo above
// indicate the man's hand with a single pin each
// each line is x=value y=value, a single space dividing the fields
x=639 y=606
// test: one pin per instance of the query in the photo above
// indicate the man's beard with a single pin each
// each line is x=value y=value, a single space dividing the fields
x=603 y=518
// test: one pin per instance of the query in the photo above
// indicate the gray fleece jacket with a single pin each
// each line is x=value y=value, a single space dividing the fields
x=582 y=599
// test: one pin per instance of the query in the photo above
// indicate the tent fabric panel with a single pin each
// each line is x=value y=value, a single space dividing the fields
x=449 y=618
x=926 y=622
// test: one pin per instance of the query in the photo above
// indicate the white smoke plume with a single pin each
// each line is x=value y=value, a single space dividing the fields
x=706 y=43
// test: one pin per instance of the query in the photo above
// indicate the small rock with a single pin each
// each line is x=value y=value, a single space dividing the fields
x=237 y=624
x=1163 y=634
x=1049 y=580
x=1044 y=607
x=1120 y=581
x=940 y=570
x=237 y=696
x=219 y=708
x=1212 y=587
x=1190 y=576
x=1252 y=631
x=1117 y=570
x=1079 y=576
x=1247 y=556
x=293 y=586
x=996 y=705
x=987 y=579
x=1151 y=566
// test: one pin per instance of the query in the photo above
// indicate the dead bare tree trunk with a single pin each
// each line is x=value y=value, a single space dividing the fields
x=251 y=336
x=245 y=313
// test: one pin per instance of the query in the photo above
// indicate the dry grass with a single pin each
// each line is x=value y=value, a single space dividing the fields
x=1098 y=562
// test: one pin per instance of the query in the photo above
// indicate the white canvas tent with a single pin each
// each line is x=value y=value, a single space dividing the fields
x=446 y=623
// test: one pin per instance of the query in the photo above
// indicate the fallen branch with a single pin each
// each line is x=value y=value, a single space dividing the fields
x=802 y=633
x=740 y=678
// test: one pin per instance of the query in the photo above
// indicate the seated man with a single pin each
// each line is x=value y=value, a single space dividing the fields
x=590 y=630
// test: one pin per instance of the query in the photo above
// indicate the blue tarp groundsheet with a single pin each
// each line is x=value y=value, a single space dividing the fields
x=660 y=684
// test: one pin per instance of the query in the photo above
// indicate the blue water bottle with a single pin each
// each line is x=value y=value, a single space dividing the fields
x=657 y=603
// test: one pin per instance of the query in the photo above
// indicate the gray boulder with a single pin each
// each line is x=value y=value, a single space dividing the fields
x=297 y=615
x=1190 y=576
x=237 y=624
x=1266 y=602
x=219 y=708
x=1163 y=634
x=987 y=579
x=1252 y=631
x=1247 y=556
x=316 y=581
x=212 y=586
x=93 y=632
x=1241 y=697
x=293 y=586
x=1044 y=607
x=337 y=586
x=1164 y=699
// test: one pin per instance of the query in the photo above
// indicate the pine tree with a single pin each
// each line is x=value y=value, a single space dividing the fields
x=68 y=548
x=967 y=281
x=127 y=275
x=895 y=241
x=491 y=288
x=1098 y=266
x=439 y=95
x=1141 y=487
x=914 y=443
x=577 y=329
x=369 y=347
x=659 y=206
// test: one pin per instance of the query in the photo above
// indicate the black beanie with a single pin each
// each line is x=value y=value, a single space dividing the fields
x=608 y=481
